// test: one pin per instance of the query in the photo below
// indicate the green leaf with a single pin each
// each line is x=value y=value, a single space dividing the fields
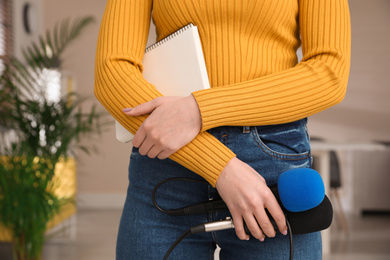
x=45 y=130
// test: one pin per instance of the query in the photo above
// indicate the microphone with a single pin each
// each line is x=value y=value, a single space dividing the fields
x=297 y=190
x=312 y=220
x=300 y=192
x=300 y=189
x=309 y=221
x=301 y=195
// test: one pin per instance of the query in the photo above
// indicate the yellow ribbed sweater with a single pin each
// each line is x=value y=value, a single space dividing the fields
x=250 y=52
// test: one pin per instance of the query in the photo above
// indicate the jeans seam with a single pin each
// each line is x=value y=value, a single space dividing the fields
x=270 y=152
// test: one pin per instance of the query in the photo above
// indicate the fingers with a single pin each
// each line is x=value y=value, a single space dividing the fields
x=265 y=224
x=258 y=225
x=248 y=198
x=254 y=228
x=263 y=220
x=277 y=214
x=142 y=109
x=153 y=151
x=172 y=123
x=139 y=138
x=146 y=146
x=152 y=147
x=239 y=226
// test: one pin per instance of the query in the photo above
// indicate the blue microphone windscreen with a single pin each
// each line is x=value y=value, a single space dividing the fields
x=301 y=189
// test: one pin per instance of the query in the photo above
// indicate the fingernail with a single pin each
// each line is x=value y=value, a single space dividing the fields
x=261 y=239
x=247 y=239
x=127 y=109
x=284 y=232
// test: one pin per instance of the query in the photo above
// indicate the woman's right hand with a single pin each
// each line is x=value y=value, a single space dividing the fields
x=247 y=195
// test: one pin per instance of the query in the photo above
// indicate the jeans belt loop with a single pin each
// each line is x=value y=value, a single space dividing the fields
x=246 y=129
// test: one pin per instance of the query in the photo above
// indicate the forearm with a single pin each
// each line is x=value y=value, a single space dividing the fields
x=205 y=155
x=118 y=66
x=119 y=83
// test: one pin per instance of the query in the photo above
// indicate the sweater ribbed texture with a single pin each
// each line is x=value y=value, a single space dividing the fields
x=250 y=53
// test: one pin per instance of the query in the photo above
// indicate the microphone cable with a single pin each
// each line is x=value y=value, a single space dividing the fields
x=174 y=212
x=184 y=235
x=207 y=207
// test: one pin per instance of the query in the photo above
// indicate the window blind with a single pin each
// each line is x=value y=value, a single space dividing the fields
x=5 y=32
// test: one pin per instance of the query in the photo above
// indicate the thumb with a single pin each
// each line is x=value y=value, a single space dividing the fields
x=142 y=109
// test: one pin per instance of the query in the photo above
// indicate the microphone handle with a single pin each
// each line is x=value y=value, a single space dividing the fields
x=313 y=220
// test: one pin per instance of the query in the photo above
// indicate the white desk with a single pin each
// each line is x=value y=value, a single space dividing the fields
x=322 y=150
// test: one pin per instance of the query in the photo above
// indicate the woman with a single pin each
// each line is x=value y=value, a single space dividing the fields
x=240 y=135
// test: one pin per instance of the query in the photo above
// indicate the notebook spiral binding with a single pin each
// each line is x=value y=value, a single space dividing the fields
x=155 y=45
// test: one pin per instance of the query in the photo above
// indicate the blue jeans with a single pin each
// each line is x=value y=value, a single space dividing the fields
x=146 y=233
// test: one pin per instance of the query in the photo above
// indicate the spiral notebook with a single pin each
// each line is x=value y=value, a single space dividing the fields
x=175 y=65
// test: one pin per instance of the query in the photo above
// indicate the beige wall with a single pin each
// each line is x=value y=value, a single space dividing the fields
x=106 y=171
x=365 y=113
x=20 y=37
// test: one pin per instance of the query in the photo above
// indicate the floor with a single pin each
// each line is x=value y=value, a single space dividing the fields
x=96 y=234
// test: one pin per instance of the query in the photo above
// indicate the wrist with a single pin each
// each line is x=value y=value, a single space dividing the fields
x=224 y=175
x=195 y=111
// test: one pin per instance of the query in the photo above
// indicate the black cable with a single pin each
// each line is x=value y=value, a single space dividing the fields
x=184 y=235
x=291 y=239
x=182 y=211
x=172 y=212
x=200 y=228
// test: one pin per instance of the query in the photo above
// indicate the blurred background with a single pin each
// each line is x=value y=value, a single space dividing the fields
x=350 y=141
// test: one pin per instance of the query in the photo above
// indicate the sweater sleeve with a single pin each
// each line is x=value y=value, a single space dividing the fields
x=119 y=82
x=316 y=83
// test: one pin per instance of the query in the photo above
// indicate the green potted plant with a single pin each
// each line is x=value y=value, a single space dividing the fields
x=36 y=133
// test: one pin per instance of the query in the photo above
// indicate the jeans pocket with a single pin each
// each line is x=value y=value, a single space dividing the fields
x=285 y=141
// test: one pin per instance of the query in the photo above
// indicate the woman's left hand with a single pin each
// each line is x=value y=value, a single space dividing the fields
x=173 y=122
